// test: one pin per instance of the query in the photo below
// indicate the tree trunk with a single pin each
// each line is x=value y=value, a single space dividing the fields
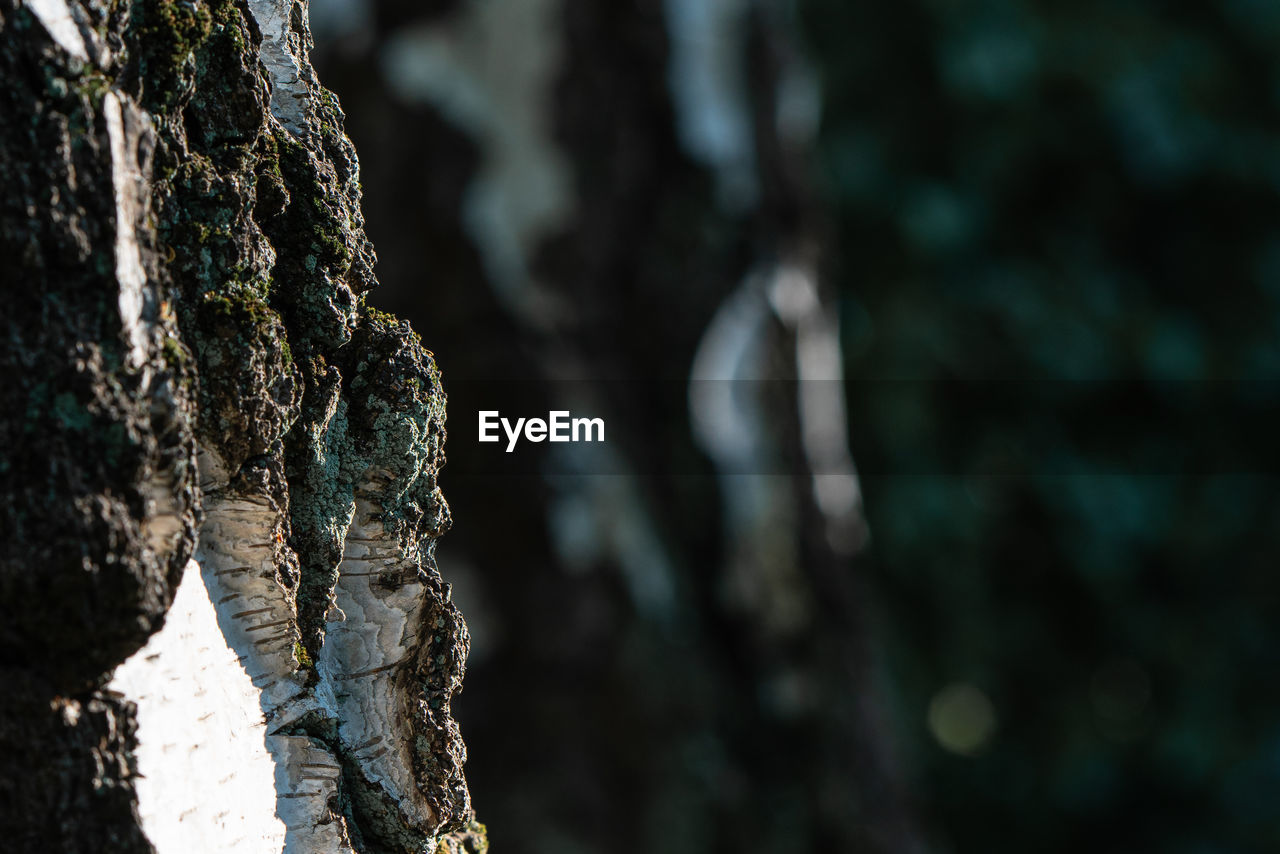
x=219 y=464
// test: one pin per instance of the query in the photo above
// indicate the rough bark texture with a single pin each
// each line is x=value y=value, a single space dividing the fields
x=192 y=371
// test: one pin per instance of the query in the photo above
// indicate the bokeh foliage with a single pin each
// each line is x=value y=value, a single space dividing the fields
x=1064 y=196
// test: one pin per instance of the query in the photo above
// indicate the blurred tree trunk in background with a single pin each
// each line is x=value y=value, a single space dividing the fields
x=1022 y=203
x=201 y=409
x=606 y=205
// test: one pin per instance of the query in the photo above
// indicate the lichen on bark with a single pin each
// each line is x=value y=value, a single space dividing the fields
x=196 y=371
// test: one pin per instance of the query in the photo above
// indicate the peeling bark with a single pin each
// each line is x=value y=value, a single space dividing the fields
x=202 y=405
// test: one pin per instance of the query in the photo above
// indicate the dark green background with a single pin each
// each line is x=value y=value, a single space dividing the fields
x=1078 y=199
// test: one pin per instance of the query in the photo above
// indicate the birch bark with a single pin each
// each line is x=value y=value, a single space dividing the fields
x=223 y=627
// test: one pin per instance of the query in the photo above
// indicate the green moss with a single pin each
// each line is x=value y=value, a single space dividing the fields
x=377 y=315
x=239 y=304
x=226 y=18
x=178 y=359
x=301 y=654
x=304 y=212
x=330 y=118
x=93 y=86
x=164 y=33
x=249 y=391
x=203 y=220
x=272 y=194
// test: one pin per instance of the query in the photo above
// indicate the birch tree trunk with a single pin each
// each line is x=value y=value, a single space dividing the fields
x=223 y=628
